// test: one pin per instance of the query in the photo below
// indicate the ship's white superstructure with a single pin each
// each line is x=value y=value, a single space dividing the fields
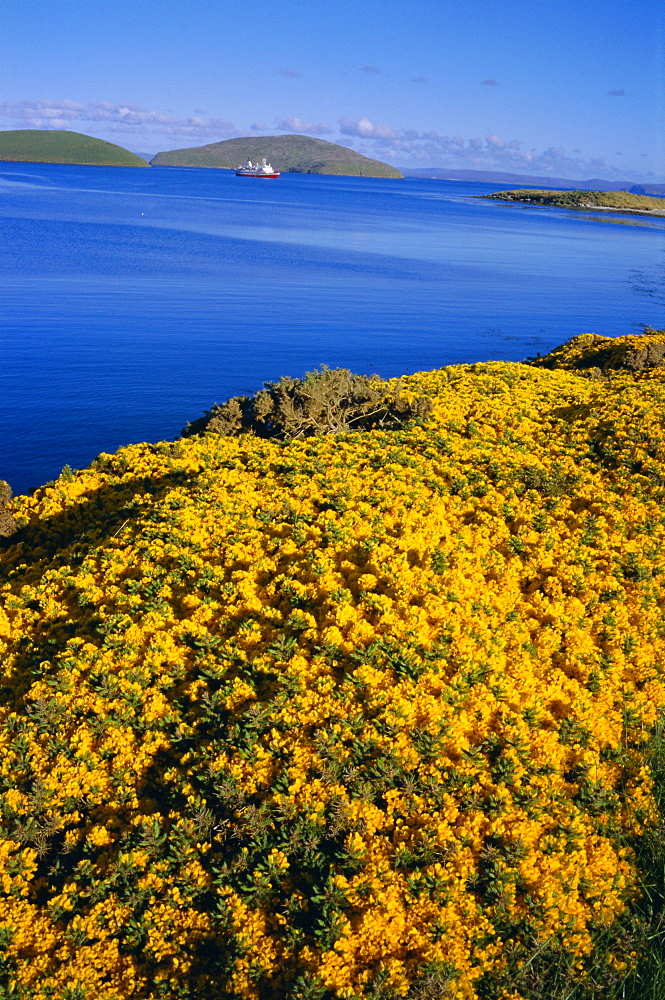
x=255 y=170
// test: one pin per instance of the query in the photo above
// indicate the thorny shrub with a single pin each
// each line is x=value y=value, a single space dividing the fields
x=328 y=401
x=363 y=715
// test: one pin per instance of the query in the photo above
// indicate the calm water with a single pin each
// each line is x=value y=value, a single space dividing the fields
x=134 y=299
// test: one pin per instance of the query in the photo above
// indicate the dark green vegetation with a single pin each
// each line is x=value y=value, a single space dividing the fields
x=297 y=154
x=7 y=522
x=617 y=200
x=55 y=146
x=647 y=981
x=330 y=401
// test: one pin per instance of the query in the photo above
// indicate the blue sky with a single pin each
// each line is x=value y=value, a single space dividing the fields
x=572 y=88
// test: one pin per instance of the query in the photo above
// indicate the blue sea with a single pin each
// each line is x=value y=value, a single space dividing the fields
x=132 y=299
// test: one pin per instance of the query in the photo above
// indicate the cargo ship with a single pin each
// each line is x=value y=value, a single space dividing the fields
x=254 y=170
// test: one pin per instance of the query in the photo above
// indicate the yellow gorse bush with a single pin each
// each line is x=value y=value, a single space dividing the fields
x=341 y=716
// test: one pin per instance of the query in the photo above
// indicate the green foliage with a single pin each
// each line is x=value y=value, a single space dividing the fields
x=7 y=523
x=51 y=146
x=648 y=980
x=328 y=401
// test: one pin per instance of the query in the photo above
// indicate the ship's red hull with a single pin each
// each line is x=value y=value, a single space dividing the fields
x=269 y=177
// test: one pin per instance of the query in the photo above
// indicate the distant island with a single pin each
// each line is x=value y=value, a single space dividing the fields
x=617 y=201
x=296 y=154
x=657 y=189
x=535 y=180
x=35 y=145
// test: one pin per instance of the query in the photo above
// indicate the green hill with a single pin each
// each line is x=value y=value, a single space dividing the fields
x=51 y=146
x=297 y=154
x=621 y=201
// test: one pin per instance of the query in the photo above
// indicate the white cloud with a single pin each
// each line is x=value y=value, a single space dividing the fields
x=127 y=118
x=142 y=128
x=408 y=147
x=367 y=130
x=298 y=125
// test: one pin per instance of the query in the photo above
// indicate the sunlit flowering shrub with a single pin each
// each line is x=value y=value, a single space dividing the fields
x=595 y=354
x=343 y=717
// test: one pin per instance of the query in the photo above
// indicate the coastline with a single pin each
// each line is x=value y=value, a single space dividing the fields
x=574 y=201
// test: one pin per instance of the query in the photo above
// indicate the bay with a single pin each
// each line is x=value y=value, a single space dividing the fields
x=134 y=299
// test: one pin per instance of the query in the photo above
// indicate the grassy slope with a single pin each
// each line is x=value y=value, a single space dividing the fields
x=582 y=199
x=344 y=716
x=290 y=153
x=51 y=146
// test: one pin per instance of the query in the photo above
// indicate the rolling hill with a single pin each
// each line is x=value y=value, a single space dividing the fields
x=56 y=146
x=298 y=154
